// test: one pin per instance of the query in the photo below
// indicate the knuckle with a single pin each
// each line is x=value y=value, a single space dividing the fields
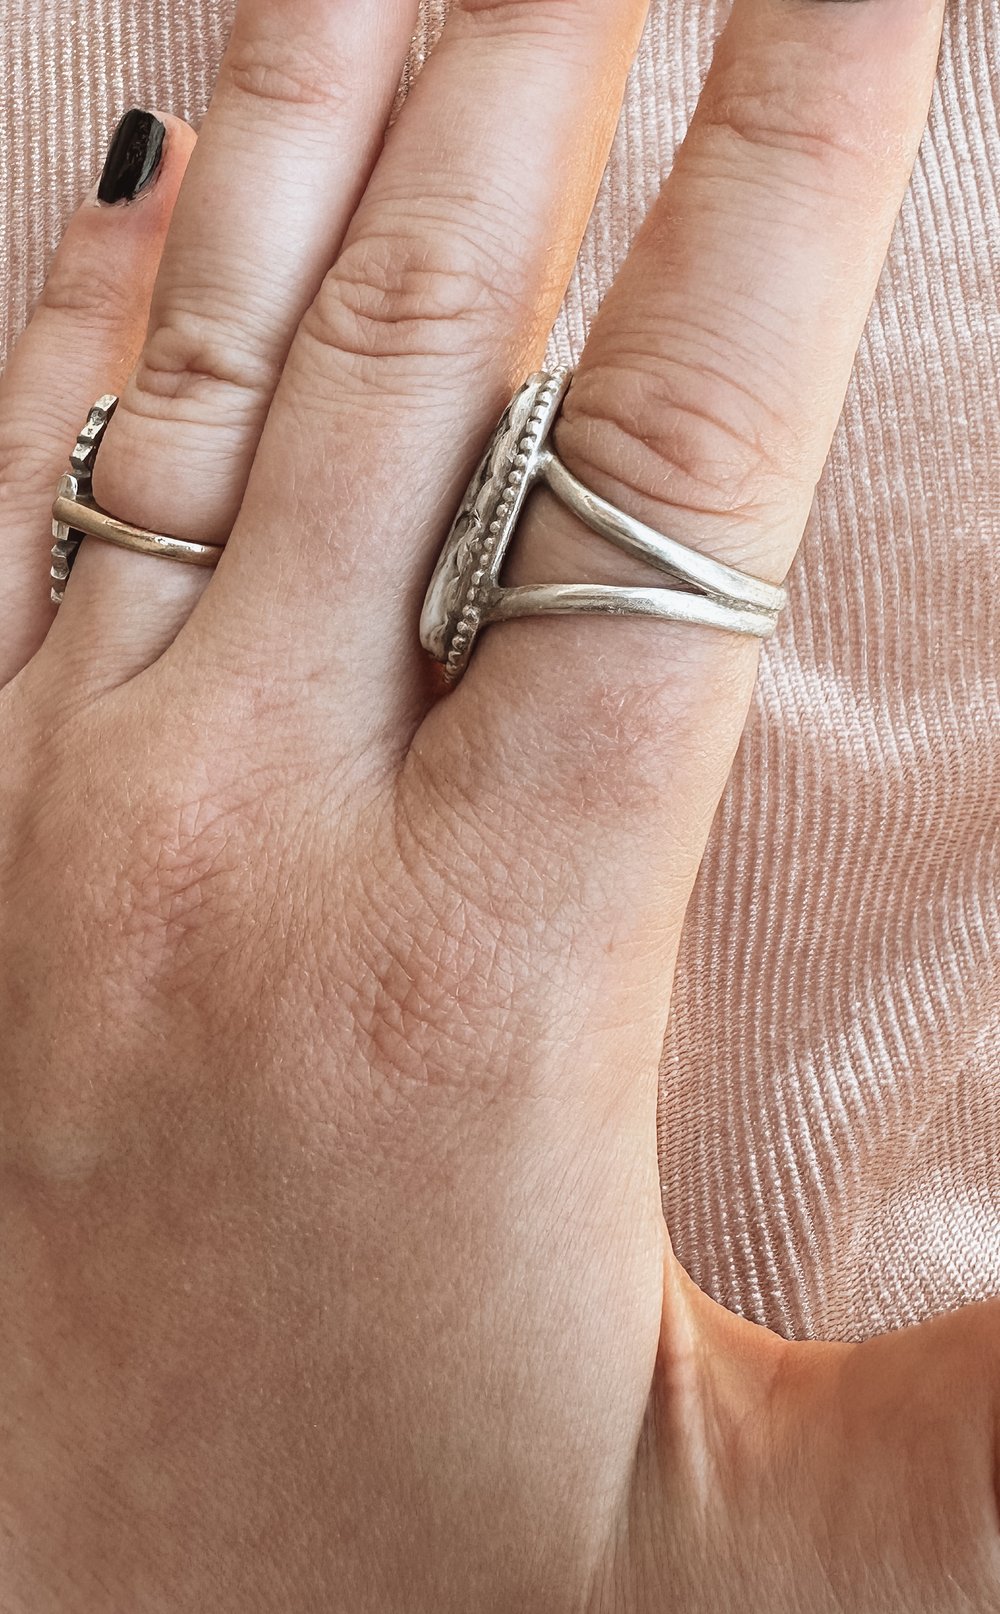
x=276 y=71
x=698 y=444
x=168 y=882
x=404 y=297
x=536 y=18
x=753 y=103
x=196 y=357
x=163 y=885
x=80 y=289
x=191 y=851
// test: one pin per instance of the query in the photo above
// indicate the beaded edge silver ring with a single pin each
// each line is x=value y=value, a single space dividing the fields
x=465 y=592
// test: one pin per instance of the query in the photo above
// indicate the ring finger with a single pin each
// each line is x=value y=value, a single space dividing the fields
x=295 y=124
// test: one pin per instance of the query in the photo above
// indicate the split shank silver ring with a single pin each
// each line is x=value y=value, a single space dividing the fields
x=466 y=595
x=75 y=515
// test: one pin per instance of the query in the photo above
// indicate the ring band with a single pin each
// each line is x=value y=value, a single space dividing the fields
x=466 y=595
x=76 y=516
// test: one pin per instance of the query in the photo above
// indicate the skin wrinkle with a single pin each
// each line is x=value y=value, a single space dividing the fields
x=317 y=1328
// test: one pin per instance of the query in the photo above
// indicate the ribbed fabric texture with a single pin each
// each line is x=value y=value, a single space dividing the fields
x=830 y=1118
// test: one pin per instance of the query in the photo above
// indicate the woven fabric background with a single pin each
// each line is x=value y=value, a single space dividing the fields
x=830 y=1117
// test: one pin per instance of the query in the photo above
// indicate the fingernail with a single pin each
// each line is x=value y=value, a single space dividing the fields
x=133 y=158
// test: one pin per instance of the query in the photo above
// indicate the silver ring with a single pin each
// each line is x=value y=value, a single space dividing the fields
x=466 y=594
x=75 y=515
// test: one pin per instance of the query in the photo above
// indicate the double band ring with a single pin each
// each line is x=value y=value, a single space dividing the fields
x=466 y=593
x=76 y=516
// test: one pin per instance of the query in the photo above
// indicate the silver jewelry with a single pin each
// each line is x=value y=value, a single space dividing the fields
x=466 y=594
x=75 y=516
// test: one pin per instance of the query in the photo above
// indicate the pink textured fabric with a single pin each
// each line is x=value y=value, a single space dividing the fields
x=830 y=1116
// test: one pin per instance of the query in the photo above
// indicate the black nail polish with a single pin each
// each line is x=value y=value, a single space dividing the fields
x=133 y=158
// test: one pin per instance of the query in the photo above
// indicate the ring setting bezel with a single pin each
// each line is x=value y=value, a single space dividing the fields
x=466 y=582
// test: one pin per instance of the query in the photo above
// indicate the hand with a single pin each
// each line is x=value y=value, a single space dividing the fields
x=333 y=1273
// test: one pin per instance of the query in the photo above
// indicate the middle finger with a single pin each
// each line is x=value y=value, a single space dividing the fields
x=450 y=278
